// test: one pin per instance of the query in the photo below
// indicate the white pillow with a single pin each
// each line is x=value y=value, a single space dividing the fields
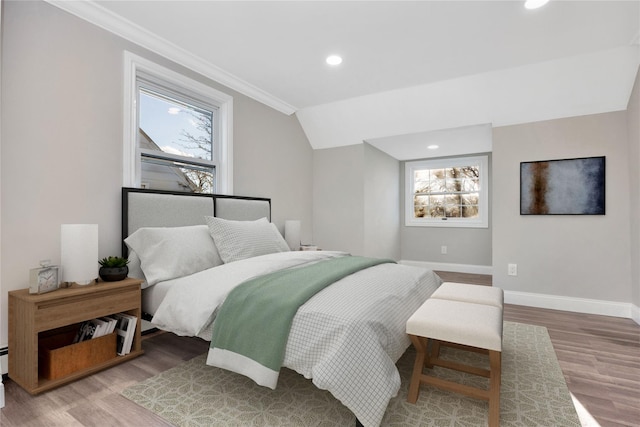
x=170 y=252
x=237 y=240
x=135 y=270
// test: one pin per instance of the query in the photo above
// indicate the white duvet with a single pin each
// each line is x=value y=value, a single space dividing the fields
x=346 y=339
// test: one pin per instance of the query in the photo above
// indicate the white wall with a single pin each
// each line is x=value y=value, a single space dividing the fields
x=583 y=257
x=61 y=159
x=633 y=126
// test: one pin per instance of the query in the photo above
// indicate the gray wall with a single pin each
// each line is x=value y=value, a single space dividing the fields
x=61 y=153
x=338 y=199
x=273 y=158
x=573 y=256
x=355 y=199
x=633 y=125
x=381 y=199
x=467 y=248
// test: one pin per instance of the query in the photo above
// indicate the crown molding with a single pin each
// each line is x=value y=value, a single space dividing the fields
x=97 y=15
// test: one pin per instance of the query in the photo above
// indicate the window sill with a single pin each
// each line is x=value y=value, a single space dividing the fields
x=448 y=223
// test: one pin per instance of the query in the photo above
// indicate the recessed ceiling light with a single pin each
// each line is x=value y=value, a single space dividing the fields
x=334 y=60
x=534 y=4
x=433 y=147
x=173 y=110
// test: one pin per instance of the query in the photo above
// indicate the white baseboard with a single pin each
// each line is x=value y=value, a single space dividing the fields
x=458 y=268
x=4 y=363
x=635 y=313
x=554 y=302
x=578 y=305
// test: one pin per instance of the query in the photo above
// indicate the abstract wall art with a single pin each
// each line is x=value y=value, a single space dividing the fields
x=563 y=187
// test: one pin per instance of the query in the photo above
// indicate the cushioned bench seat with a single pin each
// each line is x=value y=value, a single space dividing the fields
x=475 y=325
x=487 y=295
x=462 y=324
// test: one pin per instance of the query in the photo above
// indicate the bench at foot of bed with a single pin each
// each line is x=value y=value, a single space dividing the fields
x=471 y=326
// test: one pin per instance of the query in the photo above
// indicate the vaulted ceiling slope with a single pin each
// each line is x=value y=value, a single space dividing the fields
x=409 y=66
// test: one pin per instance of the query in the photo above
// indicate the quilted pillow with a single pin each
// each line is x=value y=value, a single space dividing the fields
x=170 y=252
x=237 y=240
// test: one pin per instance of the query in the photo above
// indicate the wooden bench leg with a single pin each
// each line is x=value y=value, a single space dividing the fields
x=424 y=357
x=434 y=352
x=420 y=343
x=495 y=363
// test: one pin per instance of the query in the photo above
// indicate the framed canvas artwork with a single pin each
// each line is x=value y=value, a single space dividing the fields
x=563 y=187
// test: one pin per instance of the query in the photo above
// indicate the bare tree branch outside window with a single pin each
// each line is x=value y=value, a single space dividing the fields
x=203 y=180
x=447 y=192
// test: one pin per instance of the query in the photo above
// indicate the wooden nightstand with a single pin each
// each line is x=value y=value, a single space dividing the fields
x=33 y=316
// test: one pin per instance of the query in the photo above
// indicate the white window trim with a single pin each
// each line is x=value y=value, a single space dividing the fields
x=481 y=222
x=134 y=64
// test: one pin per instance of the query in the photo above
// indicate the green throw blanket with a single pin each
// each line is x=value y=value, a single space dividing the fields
x=252 y=327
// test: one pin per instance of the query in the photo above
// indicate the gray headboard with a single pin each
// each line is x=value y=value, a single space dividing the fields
x=157 y=208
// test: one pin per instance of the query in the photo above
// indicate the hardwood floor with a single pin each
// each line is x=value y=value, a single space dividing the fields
x=599 y=356
x=95 y=400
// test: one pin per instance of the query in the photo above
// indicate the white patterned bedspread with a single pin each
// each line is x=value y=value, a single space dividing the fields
x=346 y=338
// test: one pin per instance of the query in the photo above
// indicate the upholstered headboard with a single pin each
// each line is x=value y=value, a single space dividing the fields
x=157 y=208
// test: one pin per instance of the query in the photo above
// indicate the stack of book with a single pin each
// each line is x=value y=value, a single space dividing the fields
x=121 y=323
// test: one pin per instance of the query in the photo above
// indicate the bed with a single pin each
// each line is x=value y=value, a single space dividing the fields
x=196 y=252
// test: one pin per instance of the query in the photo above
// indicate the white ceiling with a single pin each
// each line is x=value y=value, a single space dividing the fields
x=274 y=51
x=447 y=142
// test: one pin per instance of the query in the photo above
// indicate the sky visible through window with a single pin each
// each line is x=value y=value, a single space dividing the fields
x=166 y=123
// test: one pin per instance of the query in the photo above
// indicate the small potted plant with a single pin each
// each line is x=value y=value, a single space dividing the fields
x=113 y=268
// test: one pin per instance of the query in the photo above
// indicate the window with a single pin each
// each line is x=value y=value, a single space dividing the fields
x=449 y=192
x=177 y=131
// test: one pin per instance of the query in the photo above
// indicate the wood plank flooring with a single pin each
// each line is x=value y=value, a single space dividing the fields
x=599 y=356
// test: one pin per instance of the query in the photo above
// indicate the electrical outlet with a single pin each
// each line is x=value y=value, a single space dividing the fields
x=443 y=250
x=512 y=270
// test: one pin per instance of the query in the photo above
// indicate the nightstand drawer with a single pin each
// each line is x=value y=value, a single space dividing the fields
x=73 y=309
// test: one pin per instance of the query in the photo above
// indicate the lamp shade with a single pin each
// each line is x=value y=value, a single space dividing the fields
x=292 y=234
x=79 y=252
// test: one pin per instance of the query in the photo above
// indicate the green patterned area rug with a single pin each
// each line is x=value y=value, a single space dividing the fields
x=533 y=393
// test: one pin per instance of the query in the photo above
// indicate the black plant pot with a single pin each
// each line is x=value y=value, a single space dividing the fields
x=113 y=274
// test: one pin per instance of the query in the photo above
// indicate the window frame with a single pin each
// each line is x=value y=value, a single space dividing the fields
x=482 y=221
x=182 y=88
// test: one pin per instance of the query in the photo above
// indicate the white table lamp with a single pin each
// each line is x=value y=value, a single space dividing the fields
x=79 y=253
x=292 y=234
